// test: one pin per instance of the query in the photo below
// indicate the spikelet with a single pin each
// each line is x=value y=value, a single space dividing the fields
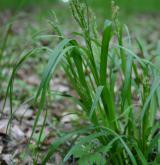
x=115 y=10
x=79 y=12
x=55 y=24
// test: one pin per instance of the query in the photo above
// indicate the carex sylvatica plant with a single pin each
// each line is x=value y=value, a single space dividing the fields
x=117 y=90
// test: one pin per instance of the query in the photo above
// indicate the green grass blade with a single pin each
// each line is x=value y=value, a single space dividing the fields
x=104 y=51
x=61 y=140
x=96 y=100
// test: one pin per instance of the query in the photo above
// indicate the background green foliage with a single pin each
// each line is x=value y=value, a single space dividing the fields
x=126 y=5
x=16 y=4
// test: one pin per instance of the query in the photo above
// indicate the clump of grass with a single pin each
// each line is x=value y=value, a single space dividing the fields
x=124 y=127
x=117 y=90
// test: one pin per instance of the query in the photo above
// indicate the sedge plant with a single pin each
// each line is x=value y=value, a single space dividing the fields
x=116 y=89
x=124 y=127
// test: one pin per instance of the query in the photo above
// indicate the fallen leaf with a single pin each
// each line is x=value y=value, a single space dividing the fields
x=17 y=133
